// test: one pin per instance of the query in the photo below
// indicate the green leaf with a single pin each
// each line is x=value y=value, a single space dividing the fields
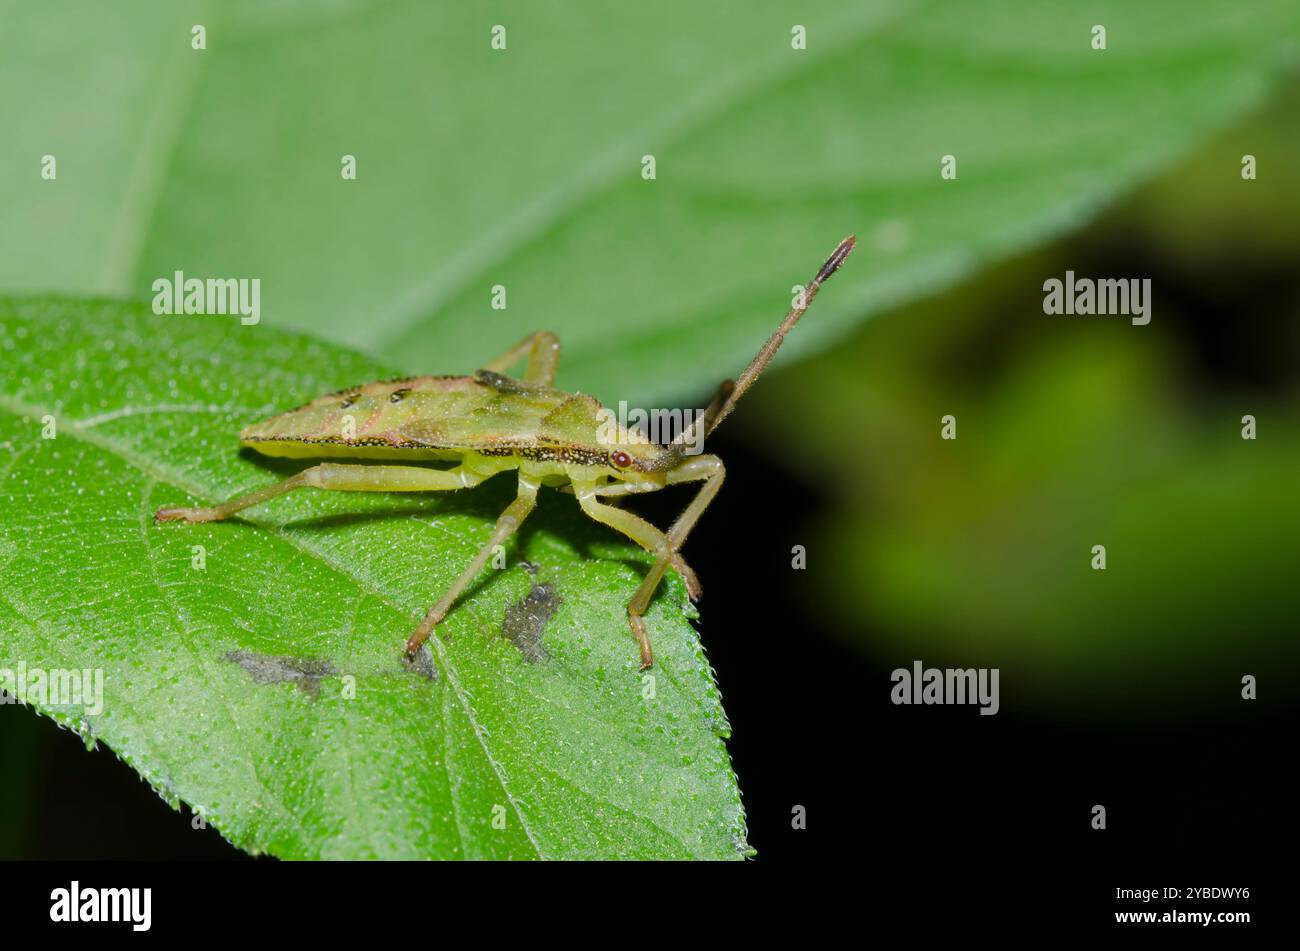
x=266 y=689
x=522 y=167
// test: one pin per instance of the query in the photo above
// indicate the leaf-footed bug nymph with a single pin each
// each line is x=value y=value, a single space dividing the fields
x=489 y=423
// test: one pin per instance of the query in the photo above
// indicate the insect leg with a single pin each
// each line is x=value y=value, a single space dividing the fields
x=329 y=475
x=506 y=526
x=696 y=469
x=693 y=588
x=664 y=545
x=618 y=489
x=543 y=352
x=649 y=538
x=708 y=469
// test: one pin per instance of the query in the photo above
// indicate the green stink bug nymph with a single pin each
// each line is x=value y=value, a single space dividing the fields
x=489 y=423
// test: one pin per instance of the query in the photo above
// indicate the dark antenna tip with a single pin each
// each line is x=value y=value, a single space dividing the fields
x=837 y=258
x=725 y=399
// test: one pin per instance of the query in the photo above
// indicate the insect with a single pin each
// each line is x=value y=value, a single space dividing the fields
x=490 y=423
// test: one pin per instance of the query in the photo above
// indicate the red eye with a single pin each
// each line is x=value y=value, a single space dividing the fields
x=621 y=459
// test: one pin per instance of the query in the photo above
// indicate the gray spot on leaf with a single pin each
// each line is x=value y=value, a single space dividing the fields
x=422 y=663
x=265 y=669
x=526 y=618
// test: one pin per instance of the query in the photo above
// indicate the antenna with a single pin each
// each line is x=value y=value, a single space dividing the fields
x=729 y=393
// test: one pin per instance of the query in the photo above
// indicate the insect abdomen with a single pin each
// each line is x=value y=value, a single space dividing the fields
x=434 y=418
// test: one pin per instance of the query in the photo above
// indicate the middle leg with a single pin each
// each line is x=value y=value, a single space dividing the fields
x=506 y=526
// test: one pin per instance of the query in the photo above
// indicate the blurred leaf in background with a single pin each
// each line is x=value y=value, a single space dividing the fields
x=522 y=167
x=1073 y=432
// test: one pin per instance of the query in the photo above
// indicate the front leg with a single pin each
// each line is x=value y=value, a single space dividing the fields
x=620 y=489
x=649 y=538
x=708 y=469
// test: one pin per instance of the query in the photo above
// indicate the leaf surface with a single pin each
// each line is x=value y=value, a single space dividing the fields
x=265 y=687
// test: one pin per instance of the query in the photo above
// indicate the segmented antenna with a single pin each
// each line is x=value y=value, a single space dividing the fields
x=729 y=393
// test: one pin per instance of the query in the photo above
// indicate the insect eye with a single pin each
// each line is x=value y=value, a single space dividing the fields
x=620 y=459
x=398 y=395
